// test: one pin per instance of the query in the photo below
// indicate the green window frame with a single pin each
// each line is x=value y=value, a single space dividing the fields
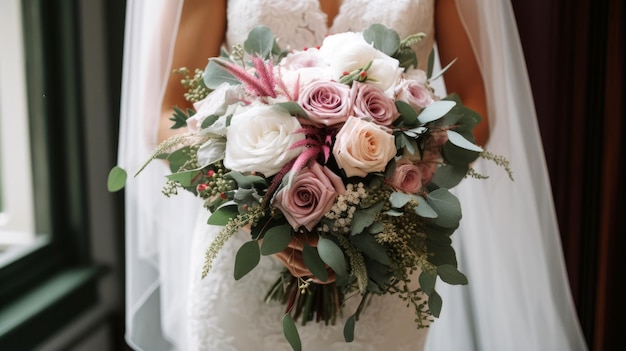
x=49 y=286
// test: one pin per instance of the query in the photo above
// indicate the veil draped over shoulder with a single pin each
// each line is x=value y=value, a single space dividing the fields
x=508 y=244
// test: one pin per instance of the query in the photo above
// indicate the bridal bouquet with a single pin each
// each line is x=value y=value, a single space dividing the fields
x=343 y=148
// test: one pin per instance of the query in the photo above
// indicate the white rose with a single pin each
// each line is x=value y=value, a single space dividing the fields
x=217 y=103
x=363 y=147
x=259 y=139
x=346 y=52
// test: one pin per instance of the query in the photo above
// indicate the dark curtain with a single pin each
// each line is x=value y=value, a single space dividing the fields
x=575 y=54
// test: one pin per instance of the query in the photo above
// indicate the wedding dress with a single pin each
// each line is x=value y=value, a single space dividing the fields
x=508 y=244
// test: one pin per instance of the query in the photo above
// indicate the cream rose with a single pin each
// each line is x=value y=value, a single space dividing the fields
x=363 y=147
x=310 y=195
x=259 y=139
x=346 y=52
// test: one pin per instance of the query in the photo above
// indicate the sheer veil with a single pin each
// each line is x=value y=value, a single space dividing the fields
x=157 y=251
x=508 y=245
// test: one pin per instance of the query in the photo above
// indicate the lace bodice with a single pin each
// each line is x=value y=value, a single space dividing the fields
x=301 y=23
x=230 y=315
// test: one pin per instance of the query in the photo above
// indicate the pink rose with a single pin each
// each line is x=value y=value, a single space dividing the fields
x=371 y=102
x=300 y=59
x=415 y=94
x=428 y=164
x=362 y=147
x=327 y=103
x=407 y=177
x=310 y=195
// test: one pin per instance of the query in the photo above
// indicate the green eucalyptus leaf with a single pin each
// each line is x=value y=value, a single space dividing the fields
x=409 y=116
x=451 y=275
x=367 y=244
x=276 y=239
x=184 y=178
x=431 y=64
x=394 y=213
x=458 y=140
x=291 y=333
x=214 y=75
x=333 y=256
x=248 y=257
x=314 y=263
x=348 y=329
x=407 y=58
x=382 y=38
x=427 y=282
x=423 y=209
x=116 y=179
x=209 y=121
x=449 y=175
x=223 y=214
x=434 y=303
x=447 y=207
x=441 y=252
x=398 y=199
x=455 y=155
x=293 y=108
x=376 y=228
x=379 y=275
x=246 y=181
x=435 y=111
x=260 y=42
x=363 y=218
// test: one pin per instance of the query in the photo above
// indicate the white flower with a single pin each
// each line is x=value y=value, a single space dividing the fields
x=219 y=102
x=346 y=52
x=211 y=151
x=259 y=139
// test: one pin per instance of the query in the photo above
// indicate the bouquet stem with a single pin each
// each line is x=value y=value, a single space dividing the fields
x=307 y=301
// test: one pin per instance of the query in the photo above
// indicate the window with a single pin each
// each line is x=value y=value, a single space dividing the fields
x=51 y=278
x=17 y=227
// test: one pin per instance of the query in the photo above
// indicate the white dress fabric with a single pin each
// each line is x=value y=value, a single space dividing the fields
x=508 y=245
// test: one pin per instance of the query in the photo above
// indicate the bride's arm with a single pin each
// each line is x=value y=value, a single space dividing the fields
x=200 y=36
x=464 y=77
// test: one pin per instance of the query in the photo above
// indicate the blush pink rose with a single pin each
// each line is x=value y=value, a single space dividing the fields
x=415 y=94
x=311 y=194
x=326 y=102
x=407 y=177
x=371 y=102
x=362 y=147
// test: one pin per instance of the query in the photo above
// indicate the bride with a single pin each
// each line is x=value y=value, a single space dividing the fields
x=508 y=243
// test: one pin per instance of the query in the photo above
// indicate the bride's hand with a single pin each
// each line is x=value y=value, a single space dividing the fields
x=291 y=257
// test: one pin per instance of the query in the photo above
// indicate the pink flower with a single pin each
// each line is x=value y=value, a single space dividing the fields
x=363 y=147
x=327 y=103
x=415 y=94
x=310 y=195
x=371 y=102
x=407 y=177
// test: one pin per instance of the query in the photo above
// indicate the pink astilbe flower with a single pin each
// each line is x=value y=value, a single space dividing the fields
x=318 y=141
x=261 y=84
